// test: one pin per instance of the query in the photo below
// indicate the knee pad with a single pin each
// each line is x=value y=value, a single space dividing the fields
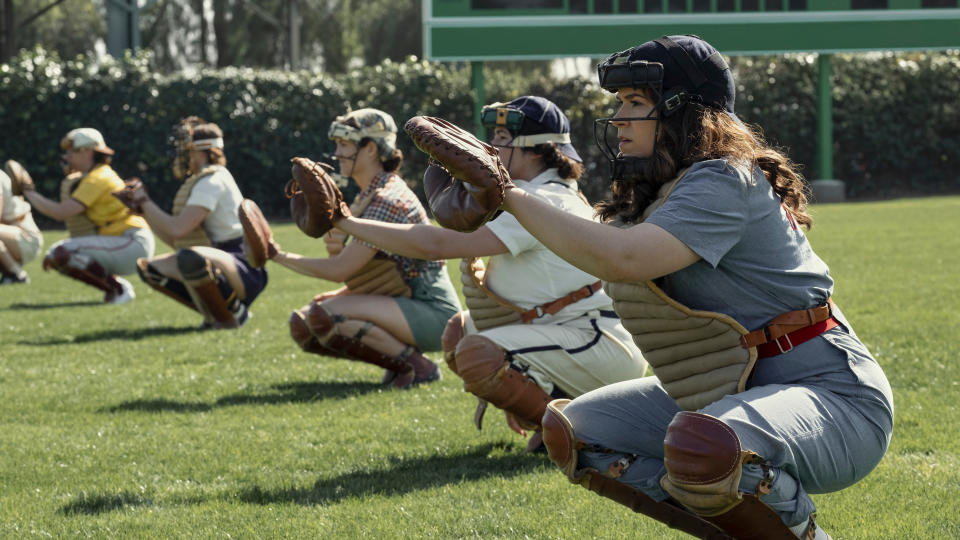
x=453 y=332
x=299 y=330
x=56 y=259
x=703 y=458
x=321 y=323
x=192 y=265
x=479 y=360
x=559 y=438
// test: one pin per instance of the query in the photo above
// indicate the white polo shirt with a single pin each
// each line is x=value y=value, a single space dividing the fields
x=531 y=274
x=218 y=193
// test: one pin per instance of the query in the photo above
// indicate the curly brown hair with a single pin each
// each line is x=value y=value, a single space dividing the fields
x=209 y=130
x=553 y=158
x=700 y=133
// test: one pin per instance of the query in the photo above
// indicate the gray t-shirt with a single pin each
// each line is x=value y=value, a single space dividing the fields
x=755 y=262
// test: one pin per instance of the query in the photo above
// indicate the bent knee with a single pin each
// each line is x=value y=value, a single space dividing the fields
x=478 y=358
x=299 y=330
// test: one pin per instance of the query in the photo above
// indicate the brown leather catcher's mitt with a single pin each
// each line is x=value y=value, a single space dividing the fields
x=465 y=188
x=20 y=178
x=128 y=195
x=316 y=203
x=258 y=244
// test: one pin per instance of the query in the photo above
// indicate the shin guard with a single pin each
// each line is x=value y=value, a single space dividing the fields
x=82 y=268
x=483 y=366
x=202 y=284
x=325 y=328
x=453 y=332
x=562 y=447
x=704 y=464
x=300 y=332
x=170 y=287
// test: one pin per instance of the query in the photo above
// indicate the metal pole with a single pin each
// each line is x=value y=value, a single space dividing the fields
x=476 y=80
x=824 y=117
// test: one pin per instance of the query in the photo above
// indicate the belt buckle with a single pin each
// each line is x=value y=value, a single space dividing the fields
x=540 y=312
x=789 y=343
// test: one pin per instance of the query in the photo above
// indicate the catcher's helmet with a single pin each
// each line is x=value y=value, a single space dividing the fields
x=677 y=70
x=531 y=120
x=368 y=123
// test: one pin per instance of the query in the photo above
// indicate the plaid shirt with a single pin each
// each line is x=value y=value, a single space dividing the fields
x=393 y=202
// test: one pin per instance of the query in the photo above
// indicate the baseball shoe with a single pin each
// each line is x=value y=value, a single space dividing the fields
x=125 y=295
x=13 y=279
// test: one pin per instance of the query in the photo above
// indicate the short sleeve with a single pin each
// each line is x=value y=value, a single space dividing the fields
x=90 y=189
x=707 y=210
x=206 y=192
x=506 y=228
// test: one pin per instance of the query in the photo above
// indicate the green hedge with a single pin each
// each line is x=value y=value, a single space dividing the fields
x=896 y=115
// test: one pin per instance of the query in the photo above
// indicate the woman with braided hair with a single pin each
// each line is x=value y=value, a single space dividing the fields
x=208 y=271
x=763 y=393
x=392 y=307
x=536 y=327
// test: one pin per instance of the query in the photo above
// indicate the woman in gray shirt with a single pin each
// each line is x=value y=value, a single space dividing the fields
x=763 y=393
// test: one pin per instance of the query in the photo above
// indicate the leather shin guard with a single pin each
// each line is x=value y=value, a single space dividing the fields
x=704 y=464
x=202 y=284
x=453 y=332
x=483 y=366
x=170 y=287
x=302 y=336
x=323 y=326
x=562 y=447
x=82 y=268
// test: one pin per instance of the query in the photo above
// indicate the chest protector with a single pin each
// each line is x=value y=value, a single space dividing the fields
x=697 y=355
x=198 y=236
x=487 y=308
x=77 y=225
x=380 y=276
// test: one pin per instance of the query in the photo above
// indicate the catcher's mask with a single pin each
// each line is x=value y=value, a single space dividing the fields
x=368 y=123
x=531 y=120
x=182 y=142
x=676 y=70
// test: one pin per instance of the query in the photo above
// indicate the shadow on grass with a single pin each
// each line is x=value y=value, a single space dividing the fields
x=299 y=392
x=404 y=476
x=52 y=305
x=128 y=334
x=100 y=504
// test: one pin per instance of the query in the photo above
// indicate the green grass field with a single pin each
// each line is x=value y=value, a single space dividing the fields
x=128 y=422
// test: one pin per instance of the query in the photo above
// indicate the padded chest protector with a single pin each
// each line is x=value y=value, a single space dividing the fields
x=697 y=355
x=487 y=309
x=380 y=276
x=198 y=236
x=77 y=225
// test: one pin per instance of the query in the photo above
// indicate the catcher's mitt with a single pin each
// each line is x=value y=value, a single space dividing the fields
x=258 y=244
x=316 y=203
x=470 y=191
x=129 y=195
x=20 y=178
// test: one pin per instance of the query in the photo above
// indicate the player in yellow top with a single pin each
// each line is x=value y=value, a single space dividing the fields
x=121 y=238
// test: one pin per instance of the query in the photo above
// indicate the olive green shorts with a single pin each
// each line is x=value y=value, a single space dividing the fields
x=433 y=302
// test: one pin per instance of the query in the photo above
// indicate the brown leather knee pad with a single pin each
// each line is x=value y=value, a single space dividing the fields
x=559 y=438
x=57 y=259
x=320 y=322
x=704 y=463
x=299 y=330
x=483 y=366
x=452 y=334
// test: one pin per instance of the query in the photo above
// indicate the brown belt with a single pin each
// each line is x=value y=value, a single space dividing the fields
x=788 y=323
x=554 y=307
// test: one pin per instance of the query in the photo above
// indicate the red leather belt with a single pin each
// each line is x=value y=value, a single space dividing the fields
x=552 y=308
x=786 y=342
x=790 y=329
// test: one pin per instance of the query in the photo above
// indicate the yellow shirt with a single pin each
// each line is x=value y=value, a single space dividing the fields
x=106 y=211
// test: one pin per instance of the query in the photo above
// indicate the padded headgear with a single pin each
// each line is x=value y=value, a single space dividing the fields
x=532 y=120
x=366 y=123
x=680 y=68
